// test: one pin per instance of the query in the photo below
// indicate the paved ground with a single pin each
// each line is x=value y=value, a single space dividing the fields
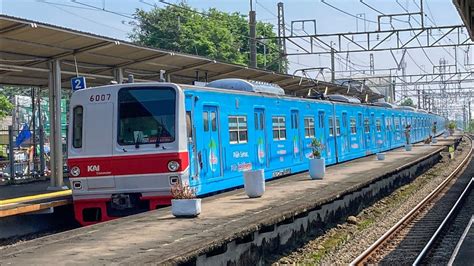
x=157 y=236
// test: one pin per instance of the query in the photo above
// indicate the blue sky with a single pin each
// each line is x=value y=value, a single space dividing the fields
x=70 y=14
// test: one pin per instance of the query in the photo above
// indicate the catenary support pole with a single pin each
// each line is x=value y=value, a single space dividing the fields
x=253 y=40
x=56 y=159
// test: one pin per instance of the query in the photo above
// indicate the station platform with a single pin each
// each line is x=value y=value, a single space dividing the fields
x=159 y=238
x=31 y=197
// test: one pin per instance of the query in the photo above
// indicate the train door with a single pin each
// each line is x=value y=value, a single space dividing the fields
x=260 y=145
x=345 y=134
x=191 y=147
x=210 y=150
x=295 y=136
x=339 y=141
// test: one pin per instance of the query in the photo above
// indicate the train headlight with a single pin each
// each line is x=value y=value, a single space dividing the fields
x=173 y=166
x=75 y=171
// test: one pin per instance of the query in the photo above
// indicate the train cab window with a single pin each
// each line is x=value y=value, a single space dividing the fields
x=338 y=127
x=189 y=124
x=378 y=125
x=331 y=127
x=238 y=129
x=77 y=119
x=366 y=125
x=353 y=126
x=279 y=127
x=205 y=120
x=262 y=121
x=309 y=131
x=146 y=115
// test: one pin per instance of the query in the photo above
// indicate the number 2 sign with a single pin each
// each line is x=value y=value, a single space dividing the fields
x=78 y=83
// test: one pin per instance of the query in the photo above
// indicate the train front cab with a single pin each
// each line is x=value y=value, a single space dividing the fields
x=127 y=146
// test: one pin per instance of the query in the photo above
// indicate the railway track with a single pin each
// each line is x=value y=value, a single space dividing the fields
x=442 y=245
x=404 y=241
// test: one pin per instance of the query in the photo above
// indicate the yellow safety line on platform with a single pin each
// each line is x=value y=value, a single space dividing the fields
x=36 y=197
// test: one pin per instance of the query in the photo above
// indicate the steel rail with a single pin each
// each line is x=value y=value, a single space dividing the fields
x=410 y=215
x=448 y=217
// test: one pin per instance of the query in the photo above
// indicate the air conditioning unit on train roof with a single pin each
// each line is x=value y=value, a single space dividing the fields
x=246 y=85
x=343 y=98
x=408 y=108
x=384 y=104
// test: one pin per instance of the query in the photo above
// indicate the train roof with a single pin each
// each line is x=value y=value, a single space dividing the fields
x=246 y=85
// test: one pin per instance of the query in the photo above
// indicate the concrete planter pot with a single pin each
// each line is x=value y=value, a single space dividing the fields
x=380 y=156
x=186 y=207
x=254 y=183
x=408 y=147
x=317 y=168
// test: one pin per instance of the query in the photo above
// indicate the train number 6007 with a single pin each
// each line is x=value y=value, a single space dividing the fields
x=99 y=97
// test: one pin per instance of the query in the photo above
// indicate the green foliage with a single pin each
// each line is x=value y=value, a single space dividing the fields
x=452 y=125
x=316 y=147
x=470 y=126
x=217 y=35
x=408 y=102
x=5 y=106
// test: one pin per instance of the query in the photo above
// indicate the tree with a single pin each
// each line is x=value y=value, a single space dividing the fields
x=407 y=102
x=213 y=34
x=5 y=106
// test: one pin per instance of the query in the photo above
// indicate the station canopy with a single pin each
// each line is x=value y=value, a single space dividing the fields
x=465 y=10
x=27 y=47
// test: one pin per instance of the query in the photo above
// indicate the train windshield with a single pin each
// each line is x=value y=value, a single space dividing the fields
x=146 y=115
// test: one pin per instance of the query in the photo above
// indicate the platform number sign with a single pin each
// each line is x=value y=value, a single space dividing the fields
x=78 y=83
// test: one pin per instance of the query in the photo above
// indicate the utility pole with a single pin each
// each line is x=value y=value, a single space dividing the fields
x=281 y=37
x=419 y=100
x=253 y=34
x=372 y=65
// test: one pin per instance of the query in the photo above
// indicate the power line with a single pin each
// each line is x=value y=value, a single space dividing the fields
x=349 y=14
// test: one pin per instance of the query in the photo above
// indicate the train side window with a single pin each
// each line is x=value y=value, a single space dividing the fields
x=279 y=127
x=255 y=118
x=189 y=124
x=366 y=125
x=205 y=120
x=338 y=127
x=397 y=123
x=359 y=118
x=378 y=125
x=331 y=127
x=344 y=120
x=238 y=129
x=214 y=121
x=78 y=114
x=353 y=126
x=309 y=131
x=321 y=119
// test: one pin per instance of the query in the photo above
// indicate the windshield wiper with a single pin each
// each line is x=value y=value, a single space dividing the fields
x=158 y=137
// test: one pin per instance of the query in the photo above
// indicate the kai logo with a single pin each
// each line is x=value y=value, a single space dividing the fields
x=93 y=168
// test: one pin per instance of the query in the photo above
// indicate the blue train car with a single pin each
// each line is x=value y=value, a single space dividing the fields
x=238 y=130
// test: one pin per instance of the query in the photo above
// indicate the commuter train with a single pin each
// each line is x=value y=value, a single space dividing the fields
x=129 y=143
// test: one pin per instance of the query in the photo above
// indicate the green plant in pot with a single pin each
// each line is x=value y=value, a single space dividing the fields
x=317 y=164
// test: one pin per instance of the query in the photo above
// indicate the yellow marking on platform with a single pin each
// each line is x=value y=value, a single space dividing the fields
x=37 y=197
x=34 y=207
